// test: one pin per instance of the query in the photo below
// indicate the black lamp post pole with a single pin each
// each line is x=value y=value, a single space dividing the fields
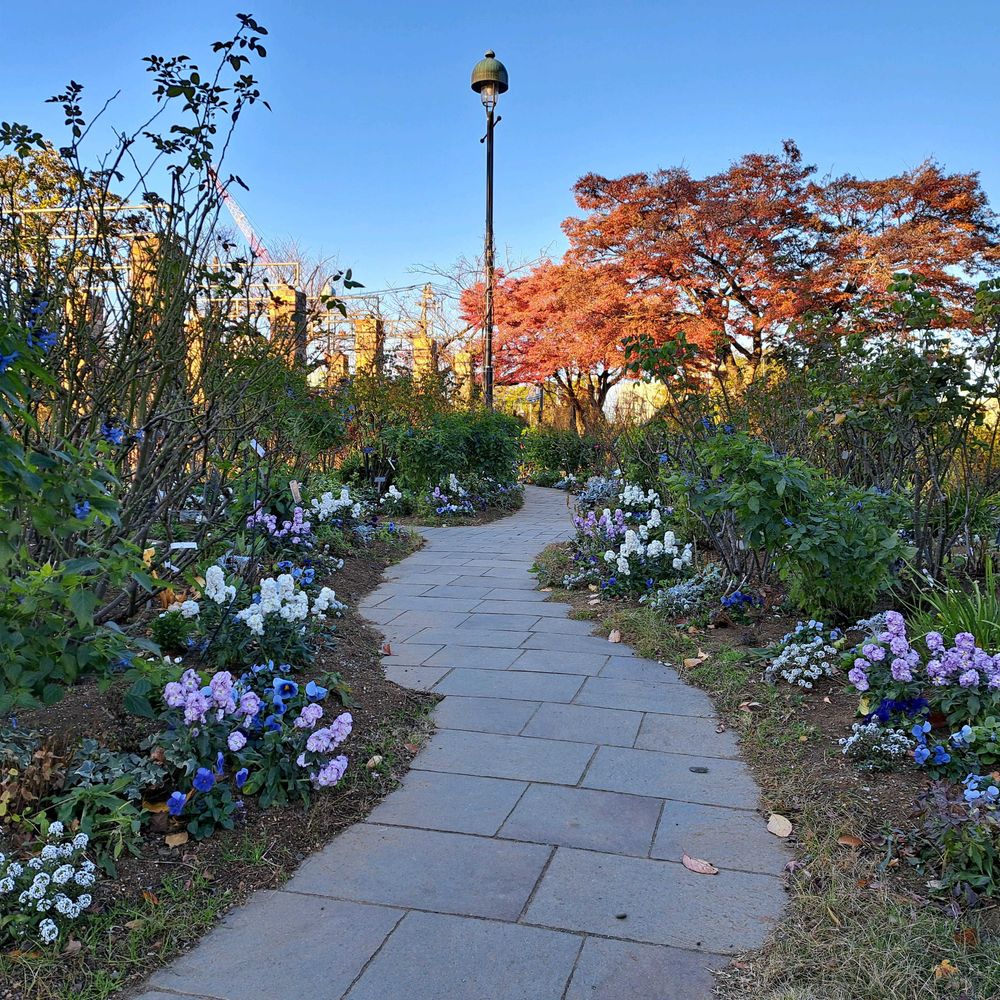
x=488 y=254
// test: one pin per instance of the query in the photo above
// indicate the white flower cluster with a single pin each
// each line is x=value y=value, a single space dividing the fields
x=282 y=596
x=277 y=597
x=807 y=654
x=633 y=497
x=326 y=600
x=216 y=588
x=392 y=494
x=328 y=506
x=635 y=547
x=47 y=890
x=876 y=747
x=455 y=486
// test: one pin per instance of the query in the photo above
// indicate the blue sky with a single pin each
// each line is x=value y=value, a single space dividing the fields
x=371 y=152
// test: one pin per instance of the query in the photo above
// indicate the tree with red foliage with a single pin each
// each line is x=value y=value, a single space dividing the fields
x=563 y=323
x=740 y=256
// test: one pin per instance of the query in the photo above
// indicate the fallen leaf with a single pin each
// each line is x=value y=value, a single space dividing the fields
x=721 y=727
x=780 y=826
x=134 y=925
x=698 y=866
x=150 y=897
x=154 y=807
x=546 y=590
x=966 y=937
x=615 y=635
x=73 y=947
x=849 y=840
x=592 y=588
x=374 y=762
x=944 y=969
x=412 y=747
x=694 y=661
x=176 y=839
x=386 y=649
x=833 y=917
x=826 y=700
x=749 y=706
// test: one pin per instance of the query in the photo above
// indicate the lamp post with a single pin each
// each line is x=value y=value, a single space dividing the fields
x=489 y=80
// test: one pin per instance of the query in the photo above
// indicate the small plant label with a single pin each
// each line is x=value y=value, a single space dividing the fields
x=296 y=491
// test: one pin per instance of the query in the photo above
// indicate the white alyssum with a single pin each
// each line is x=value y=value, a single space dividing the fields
x=216 y=588
x=39 y=898
x=327 y=506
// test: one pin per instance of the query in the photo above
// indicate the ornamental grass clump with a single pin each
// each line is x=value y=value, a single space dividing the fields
x=42 y=896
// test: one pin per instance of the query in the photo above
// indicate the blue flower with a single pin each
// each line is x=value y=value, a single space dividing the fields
x=6 y=360
x=921 y=753
x=219 y=763
x=204 y=780
x=112 y=432
x=941 y=756
x=81 y=509
x=284 y=688
x=176 y=803
x=241 y=777
x=308 y=575
x=273 y=723
x=314 y=692
x=920 y=731
x=285 y=565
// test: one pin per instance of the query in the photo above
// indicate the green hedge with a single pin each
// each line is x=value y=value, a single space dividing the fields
x=466 y=443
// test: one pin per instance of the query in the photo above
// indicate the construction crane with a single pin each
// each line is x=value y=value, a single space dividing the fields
x=257 y=248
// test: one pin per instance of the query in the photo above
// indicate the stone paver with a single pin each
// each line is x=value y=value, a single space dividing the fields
x=432 y=957
x=498 y=756
x=554 y=803
x=292 y=926
x=424 y=870
x=614 y=970
x=662 y=901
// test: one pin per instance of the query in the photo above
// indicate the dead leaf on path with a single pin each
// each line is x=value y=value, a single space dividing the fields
x=694 y=661
x=386 y=649
x=944 y=969
x=176 y=839
x=412 y=747
x=849 y=840
x=721 y=727
x=546 y=590
x=615 y=635
x=780 y=826
x=749 y=706
x=698 y=866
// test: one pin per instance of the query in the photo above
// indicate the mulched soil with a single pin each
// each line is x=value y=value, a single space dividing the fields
x=388 y=720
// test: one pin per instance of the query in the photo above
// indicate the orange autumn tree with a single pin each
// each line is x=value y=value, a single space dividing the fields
x=742 y=255
x=563 y=324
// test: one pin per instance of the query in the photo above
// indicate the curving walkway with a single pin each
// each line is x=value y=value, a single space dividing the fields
x=533 y=851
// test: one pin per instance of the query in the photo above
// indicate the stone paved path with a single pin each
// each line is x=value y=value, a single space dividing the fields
x=533 y=851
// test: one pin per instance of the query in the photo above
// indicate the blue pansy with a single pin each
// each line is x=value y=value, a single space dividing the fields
x=921 y=753
x=203 y=780
x=273 y=723
x=241 y=777
x=941 y=756
x=81 y=509
x=314 y=692
x=284 y=688
x=176 y=803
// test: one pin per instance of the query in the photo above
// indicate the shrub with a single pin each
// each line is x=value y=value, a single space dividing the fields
x=460 y=443
x=836 y=548
x=547 y=455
